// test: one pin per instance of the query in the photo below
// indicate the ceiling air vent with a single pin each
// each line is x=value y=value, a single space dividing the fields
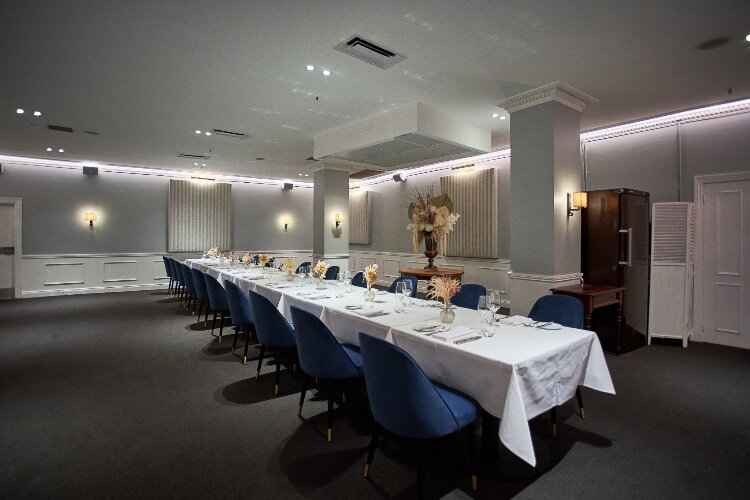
x=370 y=52
x=59 y=128
x=229 y=133
x=193 y=157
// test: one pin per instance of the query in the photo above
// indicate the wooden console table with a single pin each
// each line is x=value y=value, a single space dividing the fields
x=593 y=297
x=424 y=274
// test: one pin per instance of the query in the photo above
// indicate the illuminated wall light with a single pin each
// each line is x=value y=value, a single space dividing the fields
x=577 y=201
x=339 y=219
x=90 y=217
x=287 y=222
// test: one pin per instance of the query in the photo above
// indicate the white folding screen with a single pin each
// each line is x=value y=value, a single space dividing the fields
x=199 y=216
x=474 y=196
x=360 y=228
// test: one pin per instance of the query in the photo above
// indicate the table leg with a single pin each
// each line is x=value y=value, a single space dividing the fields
x=587 y=320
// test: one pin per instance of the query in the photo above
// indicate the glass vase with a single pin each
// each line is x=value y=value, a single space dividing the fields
x=369 y=294
x=320 y=284
x=447 y=315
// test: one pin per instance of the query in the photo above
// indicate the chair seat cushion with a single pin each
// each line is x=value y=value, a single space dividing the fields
x=355 y=355
x=464 y=409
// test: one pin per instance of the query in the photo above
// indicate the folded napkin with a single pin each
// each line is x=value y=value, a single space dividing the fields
x=281 y=285
x=313 y=295
x=370 y=313
x=456 y=332
x=516 y=320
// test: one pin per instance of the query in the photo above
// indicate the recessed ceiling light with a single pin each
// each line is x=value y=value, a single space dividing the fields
x=495 y=115
x=37 y=113
x=197 y=131
x=61 y=150
x=208 y=133
x=309 y=67
x=747 y=38
x=203 y=164
x=502 y=118
x=307 y=175
x=49 y=149
x=326 y=72
x=19 y=111
x=194 y=163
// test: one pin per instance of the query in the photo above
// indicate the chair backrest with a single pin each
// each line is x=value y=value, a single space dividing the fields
x=302 y=265
x=331 y=272
x=188 y=277
x=217 y=296
x=359 y=280
x=402 y=398
x=271 y=327
x=320 y=354
x=167 y=267
x=410 y=279
x=176 y=271
x=561 y=309
x=239 y=305
x=468 y=296
x=199 y=282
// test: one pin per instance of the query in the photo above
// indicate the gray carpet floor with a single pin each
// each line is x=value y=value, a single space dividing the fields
x=125 y=395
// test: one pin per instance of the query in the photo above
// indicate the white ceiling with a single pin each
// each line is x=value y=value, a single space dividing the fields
x=147 y=74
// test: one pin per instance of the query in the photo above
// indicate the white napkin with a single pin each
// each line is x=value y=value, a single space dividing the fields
x=369 y=313
x=313 y=295
x=456 y=332
x=516 y=320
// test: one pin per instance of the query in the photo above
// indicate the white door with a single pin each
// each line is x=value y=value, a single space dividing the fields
x=726 y=263
x=7 y=249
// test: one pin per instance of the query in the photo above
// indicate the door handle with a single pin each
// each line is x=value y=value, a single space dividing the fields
x=629 y=235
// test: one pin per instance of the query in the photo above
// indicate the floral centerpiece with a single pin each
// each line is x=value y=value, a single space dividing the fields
x=289 y=266
x=431 y=219
x=246 y=259
x=370 y=274
x=320 y=269
x=213 y=252
x=443 y=287
x=231 y=258
x=263 y=259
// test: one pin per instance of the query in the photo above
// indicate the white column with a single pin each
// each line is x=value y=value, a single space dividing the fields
x=331 y=197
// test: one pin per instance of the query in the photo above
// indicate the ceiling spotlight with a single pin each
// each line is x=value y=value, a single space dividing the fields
x=194 y=163
x=326 y=72
x=19 y=111
x=49 y=149
x=309 y=67
x=37 y=113
x=495 y=115
x=502 y=118
x=747 y=38
x=197 y=131
x=208 y=133
x=61 y=150
x=203 y=164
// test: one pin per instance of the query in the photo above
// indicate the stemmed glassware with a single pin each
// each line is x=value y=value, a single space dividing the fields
x=406 y=292
x=488 y=316
x=340 y=280
x=494 y=302
x=347 y=281
x=400 y=297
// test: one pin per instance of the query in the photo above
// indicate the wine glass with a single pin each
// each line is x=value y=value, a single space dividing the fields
x=487 y=314
x=493 y=302
x=347 y=281
x=407 y=291
x=400 y=288
x=301 y=275
x=340 y=279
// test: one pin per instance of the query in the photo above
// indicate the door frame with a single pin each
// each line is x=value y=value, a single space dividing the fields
x=17 y=257
x=701 y=181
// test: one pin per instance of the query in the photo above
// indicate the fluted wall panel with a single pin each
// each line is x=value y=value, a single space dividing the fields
x=199 y=216
x=360 y=229
x=474 y=196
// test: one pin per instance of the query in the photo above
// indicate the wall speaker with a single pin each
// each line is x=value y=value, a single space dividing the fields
x=288 y=185
x=91 y=170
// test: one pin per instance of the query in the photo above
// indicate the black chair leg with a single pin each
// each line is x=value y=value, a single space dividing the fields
x=330 y=410
x=302 y=395
x=221 y=326
x=553 y=418
x=213 y=324
x=278 y=371
x=472 y=458
x=260 y=360
x=236 y=334
x=200 y=308
x=373 y=446
x=208 y=309
x=580 y=402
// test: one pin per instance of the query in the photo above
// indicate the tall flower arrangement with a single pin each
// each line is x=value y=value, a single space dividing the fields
x=320 y=269
x=263 y=259
x=430 y=214
x=371 y=274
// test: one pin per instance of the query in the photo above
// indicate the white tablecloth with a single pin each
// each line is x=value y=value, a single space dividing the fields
x=515 y=375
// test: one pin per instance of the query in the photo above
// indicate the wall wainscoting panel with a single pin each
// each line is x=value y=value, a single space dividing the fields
x=123 y=270
x=63 y=273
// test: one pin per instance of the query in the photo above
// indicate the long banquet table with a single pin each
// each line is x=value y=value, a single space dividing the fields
x=515 y=375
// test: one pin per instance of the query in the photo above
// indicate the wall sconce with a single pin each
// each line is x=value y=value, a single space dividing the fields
x=90 y=217
x=577 y=201
x=287 y=221
x=339 y=219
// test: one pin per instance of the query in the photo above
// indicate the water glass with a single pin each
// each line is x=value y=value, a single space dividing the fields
x=407 y=291
x=398 y=303
x=484 y=307
x=400 y=288
x=340 y=280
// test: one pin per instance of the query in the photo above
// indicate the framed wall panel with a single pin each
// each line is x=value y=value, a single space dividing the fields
x=474 y=196
x=360 y=228
x=199 y=216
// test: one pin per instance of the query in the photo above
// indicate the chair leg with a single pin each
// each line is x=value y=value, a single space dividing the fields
x=260 y=360
x=373 y=446
x=247 y=343
x=200 y=308
x=221 y=326
x=208 y=307
x=302 y=395
x=472 y=458
x=278 y=371
x=580 y=402
x=234 y=341
x=213 y=324
x=330 y=410
x=553 y=418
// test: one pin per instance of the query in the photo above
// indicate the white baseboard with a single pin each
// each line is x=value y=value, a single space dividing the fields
x=27 y=294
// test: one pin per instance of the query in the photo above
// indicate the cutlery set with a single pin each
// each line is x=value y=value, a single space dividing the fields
x=468 y=339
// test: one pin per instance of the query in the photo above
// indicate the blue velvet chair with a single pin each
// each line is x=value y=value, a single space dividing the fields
x=410 y=279
x=321 y=356
x=566 y=311
x=242 y=314
x=201 y=293
x=189 y=286
x=272 y=330
x=177 y=270
x=217 y=299
x=468 y=296
x=359 y=280
x=175 y=284
x=406 y=402
x=331 y=272
x=301 y=266
x=168 y=270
